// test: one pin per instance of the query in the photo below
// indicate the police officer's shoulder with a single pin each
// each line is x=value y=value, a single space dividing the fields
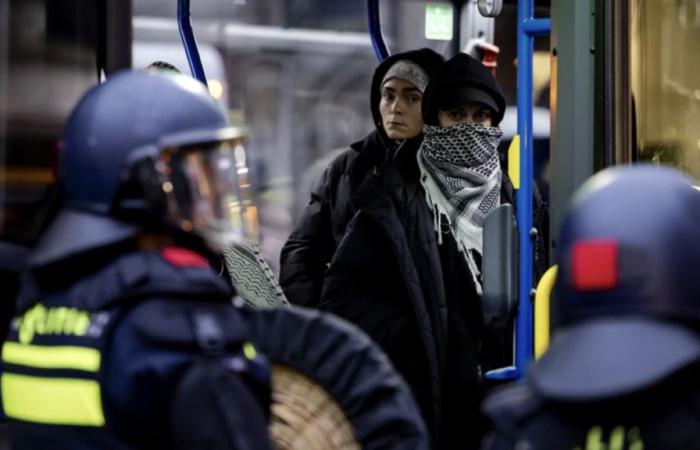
x=181 y=300
x=171 y=296
x=188 y=323
x=509 y=407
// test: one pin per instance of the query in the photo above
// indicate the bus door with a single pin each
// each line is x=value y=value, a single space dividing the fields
x=501 y=267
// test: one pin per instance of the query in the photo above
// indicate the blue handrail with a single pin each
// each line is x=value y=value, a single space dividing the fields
x=528 y=28
x=188 y=40
x=375 y=30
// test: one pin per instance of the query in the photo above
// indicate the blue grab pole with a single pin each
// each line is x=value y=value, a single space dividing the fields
x=537 y=27
x=375 y=30
x=528 y=27
x=188 y=40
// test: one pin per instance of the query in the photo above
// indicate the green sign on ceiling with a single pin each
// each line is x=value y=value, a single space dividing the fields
x=438 y=21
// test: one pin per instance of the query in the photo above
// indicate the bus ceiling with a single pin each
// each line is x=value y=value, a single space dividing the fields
x=487 y=8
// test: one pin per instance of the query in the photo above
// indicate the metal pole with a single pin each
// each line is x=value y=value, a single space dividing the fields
x=537 y=27
x=4 y=100
x=375 y=30
x=527 y=29
x=188 y=40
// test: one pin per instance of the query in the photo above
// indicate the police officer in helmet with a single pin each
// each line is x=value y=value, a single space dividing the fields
x=622 y=369
x=126 y=336
x=122 y=323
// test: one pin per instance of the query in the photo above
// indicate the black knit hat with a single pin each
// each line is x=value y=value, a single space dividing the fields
x=459 y=80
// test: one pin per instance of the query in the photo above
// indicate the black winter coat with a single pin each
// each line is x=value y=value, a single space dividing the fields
x=307 y=252
x=414 y=297
x=310 y=246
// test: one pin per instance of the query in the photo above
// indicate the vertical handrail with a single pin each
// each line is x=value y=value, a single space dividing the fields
x=188 y=40
x=375 y=30
x=528 y=28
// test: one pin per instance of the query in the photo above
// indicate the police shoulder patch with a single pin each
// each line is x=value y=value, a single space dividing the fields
x=182 y=257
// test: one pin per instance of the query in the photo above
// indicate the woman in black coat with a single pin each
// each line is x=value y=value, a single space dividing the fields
x=308 y=251
x=407 y=268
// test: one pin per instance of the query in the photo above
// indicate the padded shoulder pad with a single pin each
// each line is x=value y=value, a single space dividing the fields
x=510 y=406
x=212 y=408
x=350 y=367
x=189 y=324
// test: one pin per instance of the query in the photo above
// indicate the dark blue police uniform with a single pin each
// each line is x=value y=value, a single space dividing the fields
x=125 y=337
x=102 y=361
x=623 y=367
x=666 y=416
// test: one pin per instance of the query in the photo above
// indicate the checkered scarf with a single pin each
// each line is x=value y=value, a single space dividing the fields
x=461 y=175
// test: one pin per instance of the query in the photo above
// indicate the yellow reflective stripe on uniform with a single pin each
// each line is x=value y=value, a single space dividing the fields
x=45 y=357
x=54 y=401
x=249 y=350
x=617 y=439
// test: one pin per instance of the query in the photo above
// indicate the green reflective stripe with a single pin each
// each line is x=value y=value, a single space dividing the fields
x=54 y=401
x=59 y=357
x=594 y=439
x=249 y=350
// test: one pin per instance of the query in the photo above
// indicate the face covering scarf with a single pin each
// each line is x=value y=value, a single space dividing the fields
x=461 y=176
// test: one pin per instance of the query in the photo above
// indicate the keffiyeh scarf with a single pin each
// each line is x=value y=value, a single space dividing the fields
x=461 y=175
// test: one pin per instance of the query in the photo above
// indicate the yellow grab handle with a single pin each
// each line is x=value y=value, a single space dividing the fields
x=543 y=298
x=514 y=161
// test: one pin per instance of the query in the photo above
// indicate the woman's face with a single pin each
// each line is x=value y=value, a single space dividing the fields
x=400 y=108
x=468 y=112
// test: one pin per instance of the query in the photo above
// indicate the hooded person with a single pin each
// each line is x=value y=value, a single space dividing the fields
x=410 y=279
x=463 y=173
x=395 y=102
x=458 y=159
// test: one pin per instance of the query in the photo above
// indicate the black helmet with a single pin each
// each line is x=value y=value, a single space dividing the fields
x=627 y=285
x=145 y=146
x=459 y=80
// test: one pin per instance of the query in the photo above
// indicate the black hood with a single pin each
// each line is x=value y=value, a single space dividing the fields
x=456 y=75
x=428 y=59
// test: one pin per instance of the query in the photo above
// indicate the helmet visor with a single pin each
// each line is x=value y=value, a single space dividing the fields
x=207 y=189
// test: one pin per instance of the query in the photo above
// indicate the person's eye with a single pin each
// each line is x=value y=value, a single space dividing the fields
x=387 y=96
x=456 y=114
x=414 y=99
x=483 y=115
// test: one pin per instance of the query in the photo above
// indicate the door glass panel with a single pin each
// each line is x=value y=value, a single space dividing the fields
x=665 y=81
x=47 y=60
x=296 y=75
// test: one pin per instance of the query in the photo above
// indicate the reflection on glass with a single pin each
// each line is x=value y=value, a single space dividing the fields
x=207 y=189
x=665 y=81
x=296 y=75
x=48 y=59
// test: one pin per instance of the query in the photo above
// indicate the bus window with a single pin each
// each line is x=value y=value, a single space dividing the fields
x=506 y=39
x=48 y=58
x=296 y=75
x=665 y=81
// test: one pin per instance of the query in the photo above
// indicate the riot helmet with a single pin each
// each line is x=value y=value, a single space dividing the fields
x=148 y=148
x=627 y=287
